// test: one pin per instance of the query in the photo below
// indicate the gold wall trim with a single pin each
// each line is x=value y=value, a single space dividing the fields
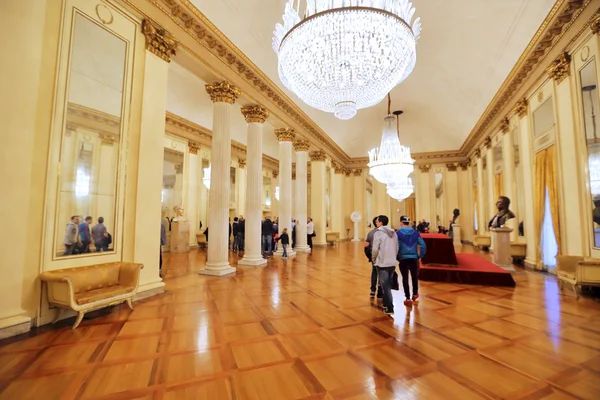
x=556 y=24
x=189 y=18
x=78 y=115
x=202 y=137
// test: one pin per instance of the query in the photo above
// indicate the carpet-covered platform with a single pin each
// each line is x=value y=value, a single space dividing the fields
x=471 y=269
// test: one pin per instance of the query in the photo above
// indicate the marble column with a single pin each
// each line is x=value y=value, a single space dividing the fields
x=317 y=194
x=255 y=117
x=241 y=184
x=509 y=179
x=348 y=205
x=451 y=193
x=491 y=205
x=481 y=222
x=423 y=196
x=274 y=200
x=286 y=138
x=301 y=147
x=337 y=204
x=527 y=162
x=223 y=95
x=194 y=180
x=360 y=201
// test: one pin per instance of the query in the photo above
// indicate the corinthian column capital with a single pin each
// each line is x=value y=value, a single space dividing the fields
x=223 y=92
x=285 y=134
x=255 y=114
x=158 y=41
x=560 y=68
x=318 y=155
x=301 y=145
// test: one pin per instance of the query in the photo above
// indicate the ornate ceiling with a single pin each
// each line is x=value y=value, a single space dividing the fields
x=467 y=49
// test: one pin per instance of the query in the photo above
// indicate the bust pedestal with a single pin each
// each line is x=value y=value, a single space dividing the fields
x=180 y=236
x=501 y=241
x=456 y=237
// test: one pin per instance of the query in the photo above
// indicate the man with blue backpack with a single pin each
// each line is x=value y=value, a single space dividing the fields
x=411 y=248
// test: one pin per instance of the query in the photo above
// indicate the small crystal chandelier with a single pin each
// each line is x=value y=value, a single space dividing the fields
x=206 y=177
x=345 y=55
x=391 y=163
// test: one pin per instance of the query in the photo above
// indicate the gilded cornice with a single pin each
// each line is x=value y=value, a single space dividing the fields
x=301 y=145
x=189 y=18
x=317 y=155
x=255 y=114
x=558 y=21
x=285 y=134
x=223 y=92
x=158 y=41
x=560 y=68
x=521 y=108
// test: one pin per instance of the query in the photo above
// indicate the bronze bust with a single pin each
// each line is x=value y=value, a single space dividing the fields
x=504 y=214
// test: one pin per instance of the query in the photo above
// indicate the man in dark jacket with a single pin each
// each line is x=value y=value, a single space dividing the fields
x=411 y=248
x=268 y=231
x=236 y=232
x=368 y=253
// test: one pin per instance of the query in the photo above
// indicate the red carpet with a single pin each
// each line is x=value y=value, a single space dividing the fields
x=471 y=269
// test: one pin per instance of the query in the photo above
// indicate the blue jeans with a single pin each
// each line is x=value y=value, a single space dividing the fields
x=385 y=277
x=267 y=240
x=374 y=285
x=241 y=241
x=284 y=249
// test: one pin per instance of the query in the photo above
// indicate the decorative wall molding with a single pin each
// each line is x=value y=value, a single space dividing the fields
x=181 y=127
x=94 y=120
x=560 y=68
x=451 y=167
x=425 y=168
x=193 y=147
x=521 y=108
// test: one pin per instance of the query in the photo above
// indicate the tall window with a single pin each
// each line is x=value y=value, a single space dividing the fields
x=549 y=245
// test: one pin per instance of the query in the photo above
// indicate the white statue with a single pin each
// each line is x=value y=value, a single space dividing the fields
x=356 y=217
x=178 y=214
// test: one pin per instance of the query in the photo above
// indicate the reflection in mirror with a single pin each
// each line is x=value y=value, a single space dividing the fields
x=589 y=92
x=439 y=200
x=90 y=142
x=267 y=193
x=232 y=185
x=172 y=190
x=518 y=184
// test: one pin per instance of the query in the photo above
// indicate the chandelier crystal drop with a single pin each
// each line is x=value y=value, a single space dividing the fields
x=400 y=190
x=391 y=163
x=345 y=55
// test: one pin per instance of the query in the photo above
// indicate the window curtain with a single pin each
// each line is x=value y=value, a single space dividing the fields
x=545 y=178
x=410 y=208
x=498 y=186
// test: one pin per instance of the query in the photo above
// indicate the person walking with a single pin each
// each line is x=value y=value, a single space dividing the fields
x=85 y=236
x=267 y=231
x=71 y=239
x=285 y=242
x=369 y=254
x=385 y=251
x=409 y=255
x=99 y=235
x=310 y=232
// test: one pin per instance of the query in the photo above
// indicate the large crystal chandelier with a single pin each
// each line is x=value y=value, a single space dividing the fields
x=345 y=54
x=391 y=163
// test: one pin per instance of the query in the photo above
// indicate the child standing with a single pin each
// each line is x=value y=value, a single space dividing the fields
x=285 y=242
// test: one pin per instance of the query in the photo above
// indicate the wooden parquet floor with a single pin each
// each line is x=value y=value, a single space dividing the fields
x=305 y=328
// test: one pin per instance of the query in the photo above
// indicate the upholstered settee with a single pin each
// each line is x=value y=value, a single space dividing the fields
x=85 y=289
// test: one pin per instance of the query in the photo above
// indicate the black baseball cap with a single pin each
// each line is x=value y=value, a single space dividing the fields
x=405 y=219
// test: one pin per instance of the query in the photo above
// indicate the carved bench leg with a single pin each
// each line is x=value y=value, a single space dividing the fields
x=130 y=303
x=59 y=312
x=576 y=292
x=80 y=315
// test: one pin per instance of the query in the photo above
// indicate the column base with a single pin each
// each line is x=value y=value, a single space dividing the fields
x=356 y=240
x=319 y=244
x=219 y=271
x=253 y=261
x=13 y=326
x=149 y=290
x=302 y=249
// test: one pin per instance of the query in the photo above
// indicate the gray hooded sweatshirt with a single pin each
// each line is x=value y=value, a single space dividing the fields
x=385 y=247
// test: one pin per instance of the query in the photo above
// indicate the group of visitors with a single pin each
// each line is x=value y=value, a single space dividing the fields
x=79 y=236
x=385 y=247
